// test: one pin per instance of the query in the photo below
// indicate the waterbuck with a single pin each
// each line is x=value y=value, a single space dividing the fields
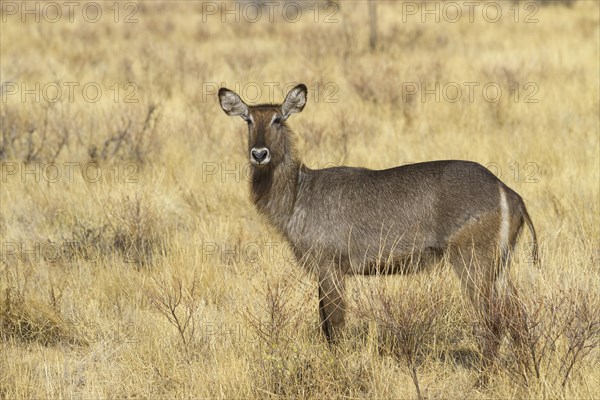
x=345 y=221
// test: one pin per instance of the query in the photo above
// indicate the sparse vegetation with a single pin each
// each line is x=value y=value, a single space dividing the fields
x=132 y=263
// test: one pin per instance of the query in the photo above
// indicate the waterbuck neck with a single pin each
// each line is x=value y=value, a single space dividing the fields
x=274 y=190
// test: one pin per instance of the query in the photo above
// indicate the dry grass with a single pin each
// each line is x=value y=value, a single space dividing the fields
x=142 y=270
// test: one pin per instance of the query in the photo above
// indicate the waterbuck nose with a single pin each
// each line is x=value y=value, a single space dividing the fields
x=260 y=155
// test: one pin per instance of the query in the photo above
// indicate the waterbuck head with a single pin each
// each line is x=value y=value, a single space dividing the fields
x=268 y=139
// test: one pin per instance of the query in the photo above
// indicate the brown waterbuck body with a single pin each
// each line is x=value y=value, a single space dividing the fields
x=346 y=221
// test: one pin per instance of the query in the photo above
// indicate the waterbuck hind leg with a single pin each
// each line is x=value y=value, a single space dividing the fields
x=331 y=302
x=516 y=321
x=517 y=318
x=477 y=267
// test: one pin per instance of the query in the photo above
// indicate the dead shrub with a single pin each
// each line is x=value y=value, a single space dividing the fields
x=131 y=139
x=138 y=229
x=178 y=303
x=560 y=337
x=40 y=137
x=408 y=322
x=24 y=317
x=276 y=325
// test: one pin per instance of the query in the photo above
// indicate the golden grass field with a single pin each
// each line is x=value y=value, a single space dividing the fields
x=134 y=265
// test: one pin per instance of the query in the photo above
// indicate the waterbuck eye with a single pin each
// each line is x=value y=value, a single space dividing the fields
x=277 y=120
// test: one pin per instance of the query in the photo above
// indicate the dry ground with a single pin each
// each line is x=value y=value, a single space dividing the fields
x=133 y=264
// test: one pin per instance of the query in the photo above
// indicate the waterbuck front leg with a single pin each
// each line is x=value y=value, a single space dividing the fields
x=331 y=301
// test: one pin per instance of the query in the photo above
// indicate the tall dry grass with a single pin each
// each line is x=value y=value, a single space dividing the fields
x=133 y=264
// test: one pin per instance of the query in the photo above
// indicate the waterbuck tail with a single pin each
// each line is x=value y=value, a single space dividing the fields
x=535 y=249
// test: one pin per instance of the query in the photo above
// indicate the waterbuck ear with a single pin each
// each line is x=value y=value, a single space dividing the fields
x=294 y=101
x=232 y=104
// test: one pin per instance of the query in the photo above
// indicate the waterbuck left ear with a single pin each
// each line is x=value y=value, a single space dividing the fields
x=294 y=101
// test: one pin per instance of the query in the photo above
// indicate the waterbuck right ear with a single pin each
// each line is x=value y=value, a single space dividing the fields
x=232 y=104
